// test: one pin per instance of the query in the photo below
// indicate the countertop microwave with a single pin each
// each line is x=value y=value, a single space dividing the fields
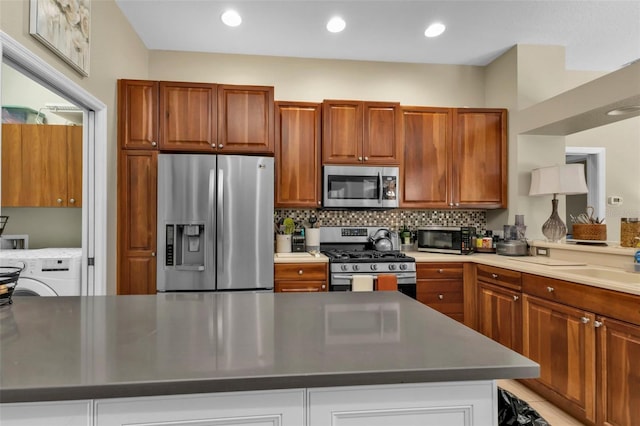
x=446 y=239
x=360 y=187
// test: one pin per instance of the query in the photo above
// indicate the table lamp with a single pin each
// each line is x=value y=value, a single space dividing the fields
x=565 y=179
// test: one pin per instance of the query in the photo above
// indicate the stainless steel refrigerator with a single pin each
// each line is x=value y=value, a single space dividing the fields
x=215 y=222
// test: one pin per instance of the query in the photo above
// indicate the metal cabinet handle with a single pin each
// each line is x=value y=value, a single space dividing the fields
x=219 y=146
x=300 y=272
x=153 y=254
x=359 y=158
x=59 y=201
x=457 y=204
x=154 y=143
x=319 y=203
x=550 y=289
x=440 y=271
x=72 y=200
x=450 y=204
x=366 y=158
x=515 y=297
x=440 y=296
x=585 y=320
x=597 y=324
x=494 y=276
x=324 y=286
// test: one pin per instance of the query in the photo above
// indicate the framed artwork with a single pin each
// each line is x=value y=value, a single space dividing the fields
x=64 y=27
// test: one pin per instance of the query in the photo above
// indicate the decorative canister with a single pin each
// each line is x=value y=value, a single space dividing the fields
x=589 y=231
x=629 y=231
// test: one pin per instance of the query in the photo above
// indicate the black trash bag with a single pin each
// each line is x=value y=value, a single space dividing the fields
x=512 y=411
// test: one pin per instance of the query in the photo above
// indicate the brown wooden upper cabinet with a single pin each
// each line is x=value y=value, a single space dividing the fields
x=298 y=154
x=454 y=158
x=245 y=119
x=195 y=117
x=479 y=165
x=138 y=114
x=359 y=132
x=41 y=165
x=188 y=116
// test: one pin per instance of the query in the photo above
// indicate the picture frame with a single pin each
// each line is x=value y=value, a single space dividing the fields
x=64 y=26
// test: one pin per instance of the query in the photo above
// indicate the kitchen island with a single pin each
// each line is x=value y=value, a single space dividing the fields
x=314 y=359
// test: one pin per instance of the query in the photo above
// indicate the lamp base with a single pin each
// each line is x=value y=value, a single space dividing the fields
x=554 y=228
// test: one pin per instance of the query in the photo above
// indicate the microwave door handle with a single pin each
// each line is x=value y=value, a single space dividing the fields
x=380 y=189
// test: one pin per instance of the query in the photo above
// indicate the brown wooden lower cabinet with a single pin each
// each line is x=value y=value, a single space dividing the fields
x=562 y=340
x=440 y=286
x=589 y=362
x=300 y=277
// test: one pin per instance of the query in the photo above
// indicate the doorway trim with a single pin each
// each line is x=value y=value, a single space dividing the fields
x=596 y=175
x=94 y=170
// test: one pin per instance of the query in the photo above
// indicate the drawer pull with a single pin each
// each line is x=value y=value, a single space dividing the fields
x=550 y=289
x=300 y=272
x=494 y=276
x=585 y=320
x=597 y=324
x=515 y=297
x=440 y=271
x=440 y=296
x=324 y=286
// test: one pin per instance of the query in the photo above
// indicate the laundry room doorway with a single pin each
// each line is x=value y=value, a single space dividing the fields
x=594 y=162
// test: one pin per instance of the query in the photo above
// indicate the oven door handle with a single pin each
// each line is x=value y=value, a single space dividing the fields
x=350 y=277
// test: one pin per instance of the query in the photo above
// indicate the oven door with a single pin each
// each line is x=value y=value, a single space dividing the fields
x=406 y=282
x=360 y=187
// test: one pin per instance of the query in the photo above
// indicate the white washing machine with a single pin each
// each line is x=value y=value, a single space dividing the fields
x=47 y=272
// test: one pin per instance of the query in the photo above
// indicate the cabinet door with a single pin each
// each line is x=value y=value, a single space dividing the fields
x=53 y=413
x=245 y=119
x=480 y=158
x=256 y=408
x=562 y=340
x=74 y=163
x=137 y=222
x=187 y=117
x=44 y=163
x=426 y=171
x=297 y=155
x=619 y=369
x=342 y=132
x=14 y=189
x=138 y=114
x=382 y=133
x=500 y=315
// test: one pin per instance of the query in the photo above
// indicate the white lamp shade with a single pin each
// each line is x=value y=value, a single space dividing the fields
x=565 y=179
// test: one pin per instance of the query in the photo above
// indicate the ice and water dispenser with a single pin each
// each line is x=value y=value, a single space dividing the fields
x=185 y=246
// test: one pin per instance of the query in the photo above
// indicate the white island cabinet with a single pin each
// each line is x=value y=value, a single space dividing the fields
x=53 y=413
x=260 y=408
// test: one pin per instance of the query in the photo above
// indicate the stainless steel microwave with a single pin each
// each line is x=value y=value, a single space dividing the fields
x=360 y=187
x=446 y=239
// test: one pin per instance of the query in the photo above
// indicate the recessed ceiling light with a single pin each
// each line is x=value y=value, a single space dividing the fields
x=231 y=18
x=625 y=110
x=336 y=24
x=434 y=30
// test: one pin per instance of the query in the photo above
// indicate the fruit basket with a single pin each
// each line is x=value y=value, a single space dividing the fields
x=8 y=280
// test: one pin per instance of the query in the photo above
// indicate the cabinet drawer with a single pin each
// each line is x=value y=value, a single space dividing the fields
x=300 y=286
x=300 y=271
x=618 y=305
x=499 y=276
x=444 y=296
x=439 y=270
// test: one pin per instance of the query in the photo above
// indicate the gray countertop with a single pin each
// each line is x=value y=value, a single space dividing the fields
x=62 y=348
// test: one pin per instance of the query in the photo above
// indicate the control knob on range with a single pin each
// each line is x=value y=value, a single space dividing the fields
x=392 y=267
x=374 y=267
x=343 y=267
x=403 y=266
x=356 y=267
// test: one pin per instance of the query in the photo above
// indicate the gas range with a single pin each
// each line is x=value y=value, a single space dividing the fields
x=351 y=253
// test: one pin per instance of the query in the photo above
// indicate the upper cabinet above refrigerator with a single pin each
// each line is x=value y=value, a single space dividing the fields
x=196 y=117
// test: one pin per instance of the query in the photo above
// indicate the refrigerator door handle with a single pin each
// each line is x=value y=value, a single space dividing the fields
x=220 y=220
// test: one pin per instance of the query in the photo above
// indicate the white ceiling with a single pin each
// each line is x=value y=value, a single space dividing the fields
x=598 y=35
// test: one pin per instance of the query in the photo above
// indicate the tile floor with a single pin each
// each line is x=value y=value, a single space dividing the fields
x=552 y=414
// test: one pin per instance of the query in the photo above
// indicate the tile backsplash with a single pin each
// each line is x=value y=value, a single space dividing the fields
x=392 y=219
